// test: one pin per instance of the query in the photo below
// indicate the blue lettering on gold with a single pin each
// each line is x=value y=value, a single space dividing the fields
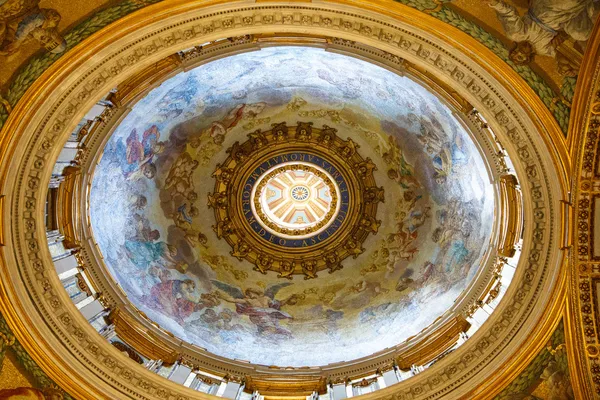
x=337 y=176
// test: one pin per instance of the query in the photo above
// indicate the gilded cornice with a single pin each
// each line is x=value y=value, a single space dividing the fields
x=583 y=313
x=555 y=102
x=584 y=92
x=528 y=352
x=488 y=60
x=114 y=297
x=57 y=334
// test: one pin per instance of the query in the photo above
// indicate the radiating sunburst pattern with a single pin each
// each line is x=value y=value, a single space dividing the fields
x=297 y=199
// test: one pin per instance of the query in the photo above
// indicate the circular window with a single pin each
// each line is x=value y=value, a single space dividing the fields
x=296 y=199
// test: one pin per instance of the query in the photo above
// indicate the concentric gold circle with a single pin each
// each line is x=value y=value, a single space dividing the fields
x=295 y=200
x=299 y=166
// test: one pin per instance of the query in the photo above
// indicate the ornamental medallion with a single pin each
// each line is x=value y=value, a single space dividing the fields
x=295 y=200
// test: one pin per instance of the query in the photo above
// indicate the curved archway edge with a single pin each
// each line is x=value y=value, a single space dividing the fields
x=75 y=356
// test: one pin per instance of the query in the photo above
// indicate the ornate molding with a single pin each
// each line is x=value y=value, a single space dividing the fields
x=511 y=206
x=242 y=220
x=469 y=301
x=141 y=340
x=38 y=128
x=428 y=349
x=583 y=311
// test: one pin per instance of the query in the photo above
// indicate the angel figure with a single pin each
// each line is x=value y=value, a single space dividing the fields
x=263 y=263
x=333 y=262
x=369 y=223
x=260 y=306
x=353 y=247
x=240 y=250
x=179 y=180
x=374 y=195
x=140 y=154
x=309 y=268
x=177 y=298
x=331 y=292
x=400 y=170
x=219 y=129
x=184 y=215
x=408 y=224
x=287 y=269
x=403 y=179
x=373 y=288
x=237 y=152
x=539 y=30
x=223 y=228
x=23 y=21
x=348 y=148
x=327 y=135
x=304 y=131
x=145 y=253
x=143 y=232
x=365 y=168
x=223 y=174
x=258 y=139
x=431 y=136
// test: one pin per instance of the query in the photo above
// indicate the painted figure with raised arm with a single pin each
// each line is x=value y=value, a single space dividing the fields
x=538 y=30
x=260 y=306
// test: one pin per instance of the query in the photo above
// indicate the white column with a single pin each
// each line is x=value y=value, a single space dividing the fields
x=349 y=391
x=221 y=390
x=390 y=377
x=108 y=332
x=153 y=365
x=95 y=111
x=180 y=373
x=92 y=309
x=339 y=391
x=190 y=379
x=405 y=374
x=67 y=154
x=65 y=264
x=231 y=390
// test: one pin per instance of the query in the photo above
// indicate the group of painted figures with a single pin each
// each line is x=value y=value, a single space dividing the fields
x=168 y=256
x=541 y=30
x=160 y=264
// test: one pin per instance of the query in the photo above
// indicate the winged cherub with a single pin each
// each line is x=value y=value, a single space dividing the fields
x=260 y=306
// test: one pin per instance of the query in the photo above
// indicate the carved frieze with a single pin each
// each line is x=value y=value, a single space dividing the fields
x=119 y=62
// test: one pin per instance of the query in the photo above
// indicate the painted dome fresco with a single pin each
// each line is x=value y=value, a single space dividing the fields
x=292 y=207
